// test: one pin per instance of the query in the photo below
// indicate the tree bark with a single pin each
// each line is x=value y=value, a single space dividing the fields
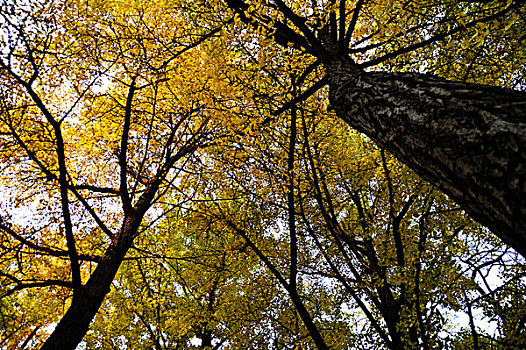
x=84 y=306
x=468 y=140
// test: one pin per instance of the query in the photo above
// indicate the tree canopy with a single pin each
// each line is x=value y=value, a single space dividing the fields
x=262 y=174
x=462 y=137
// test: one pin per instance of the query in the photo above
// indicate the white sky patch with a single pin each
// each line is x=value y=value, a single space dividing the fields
x=195 y=341
x=102 y=84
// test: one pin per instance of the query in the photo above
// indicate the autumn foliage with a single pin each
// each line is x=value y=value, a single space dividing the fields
x=173 y=176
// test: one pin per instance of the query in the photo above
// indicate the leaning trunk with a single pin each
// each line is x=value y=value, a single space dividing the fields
x=75 y=323
x=468 y=140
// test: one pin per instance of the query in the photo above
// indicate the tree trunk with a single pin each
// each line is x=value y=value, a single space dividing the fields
x=75 y=323
x=468 y=140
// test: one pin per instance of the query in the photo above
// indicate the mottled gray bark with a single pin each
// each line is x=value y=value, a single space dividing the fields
x=468 y=140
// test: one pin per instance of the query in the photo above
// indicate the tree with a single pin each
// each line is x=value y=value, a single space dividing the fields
x=151 y=176
x=367 y=233
x=462 y=137
x=91 y=141
x=257 y=175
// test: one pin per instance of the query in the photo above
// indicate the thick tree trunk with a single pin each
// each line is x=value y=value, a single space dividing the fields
x=75 y=323
x=468 y=140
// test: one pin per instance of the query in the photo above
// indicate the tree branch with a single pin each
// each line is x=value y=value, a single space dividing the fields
x=290 y=202
x=125 y=196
